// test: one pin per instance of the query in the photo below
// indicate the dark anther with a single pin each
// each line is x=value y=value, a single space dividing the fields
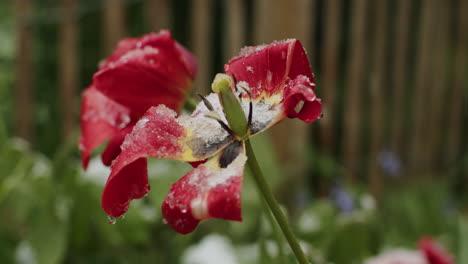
x=234 y=79
x=230 y=153
x=206 y=102
x=226 y=127
x=249 y=120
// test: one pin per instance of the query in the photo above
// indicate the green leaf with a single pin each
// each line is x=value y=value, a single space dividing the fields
x=463 y=240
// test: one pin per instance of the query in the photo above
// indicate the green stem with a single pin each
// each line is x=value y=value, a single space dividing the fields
x=276 y=232
x=273 y=204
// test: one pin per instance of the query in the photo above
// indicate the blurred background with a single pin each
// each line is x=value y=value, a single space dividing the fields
x=387 y=164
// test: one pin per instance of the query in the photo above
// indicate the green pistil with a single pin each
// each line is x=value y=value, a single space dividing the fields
x=232 y=109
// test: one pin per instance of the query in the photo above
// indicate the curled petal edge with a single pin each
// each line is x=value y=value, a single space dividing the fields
x=101 y=119
x=160 y=134
x=208 y=191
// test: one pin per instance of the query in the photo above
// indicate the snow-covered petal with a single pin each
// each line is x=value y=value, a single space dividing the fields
x=160 y=134
x=212 y=190
x=279 y=79
x=147 y=71
x=101 y=119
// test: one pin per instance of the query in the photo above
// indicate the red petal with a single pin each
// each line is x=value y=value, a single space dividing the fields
x=267 y=68
x=119 y=191
x=125 y=45
x=101 y=119
x=112 y=149
x=434 y=253
x=297 y=91
x=208 y=191
x=156 y=71
x=159 y=134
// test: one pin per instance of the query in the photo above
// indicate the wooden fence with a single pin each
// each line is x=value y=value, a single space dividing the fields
x=392 y=74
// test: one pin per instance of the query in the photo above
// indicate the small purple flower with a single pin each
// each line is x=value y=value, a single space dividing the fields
x=390 y=163
x=342 y=199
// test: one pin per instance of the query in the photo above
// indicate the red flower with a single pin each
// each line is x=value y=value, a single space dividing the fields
x=434 y=253
x=142 y=72
x=279 y=79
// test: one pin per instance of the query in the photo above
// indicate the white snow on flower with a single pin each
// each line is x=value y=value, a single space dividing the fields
x=398 y=256
x=97 y=172
x=213 y=249
x=24 y=253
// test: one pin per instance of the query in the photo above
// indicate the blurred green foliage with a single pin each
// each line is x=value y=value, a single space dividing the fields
x=50 y=209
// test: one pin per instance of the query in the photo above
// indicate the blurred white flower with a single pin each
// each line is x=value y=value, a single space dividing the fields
x=25 y=253
x=309 y=223
x=398 y=256
x=213 y=249
x=97 y=172
x=367 y=202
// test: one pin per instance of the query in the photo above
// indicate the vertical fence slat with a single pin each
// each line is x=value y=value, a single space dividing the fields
x=422 y=85
x=23 y=10
x=158 y=14
x=202 y=40
x=262 y=10
x=440 y=84
x=328 y=80
x=353 y=100
x=377 y=88
x=235 y=27
x=400 y=76
x=69 y=64
x=290 y=136
x=114 y=23
x=455 y=112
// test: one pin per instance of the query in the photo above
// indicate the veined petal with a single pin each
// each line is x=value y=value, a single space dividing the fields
x=279 y=79
x=160 y=134
x=101 y=119
x=147 y=71
x=212 y=190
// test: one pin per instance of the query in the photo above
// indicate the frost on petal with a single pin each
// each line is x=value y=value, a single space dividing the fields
x=212 y=190
x=101 y=119
x=280 y=81
x=159 y=134
x=207 y=136
x=156 y=134
x=155 y=71
x=123 y=46
x=264 y=115
x=434 y=253
x=265 y=69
